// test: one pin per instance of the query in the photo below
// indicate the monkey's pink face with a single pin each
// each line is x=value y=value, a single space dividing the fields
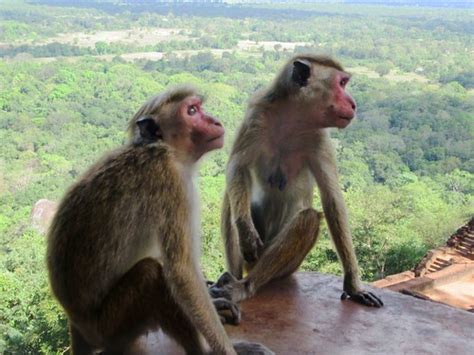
x=206 y=132
x=342 y=107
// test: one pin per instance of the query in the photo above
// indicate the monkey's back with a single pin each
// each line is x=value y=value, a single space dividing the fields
x=112 y=208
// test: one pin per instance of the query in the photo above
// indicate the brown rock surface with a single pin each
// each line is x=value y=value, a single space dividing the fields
x=304 y=315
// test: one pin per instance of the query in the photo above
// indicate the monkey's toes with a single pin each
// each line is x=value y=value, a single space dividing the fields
x=225 y=279
x=220 y=292
x=218 y=289
x=362 y=297
x=229 y=312
x=375 y=300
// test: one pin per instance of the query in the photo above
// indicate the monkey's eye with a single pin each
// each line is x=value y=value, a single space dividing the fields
x=344 y=82
x=192 y=110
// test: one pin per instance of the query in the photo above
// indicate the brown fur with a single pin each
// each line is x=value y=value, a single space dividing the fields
x=283 y=140
x=121 y=255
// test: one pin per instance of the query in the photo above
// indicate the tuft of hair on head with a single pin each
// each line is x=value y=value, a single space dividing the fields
x=284 y=84
x=156 y=106
x=321 y=59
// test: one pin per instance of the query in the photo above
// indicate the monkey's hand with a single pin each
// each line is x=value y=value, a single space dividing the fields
x=229 y=312
x=250 y=243
x=363 y=297
x=246 y=348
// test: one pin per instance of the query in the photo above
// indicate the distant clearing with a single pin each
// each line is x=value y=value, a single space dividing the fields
x=363 y=71
x=133 y=36
x=397 y=76
x=269 y=45
x=154 y=35
x=131 y=57
x=393 y=75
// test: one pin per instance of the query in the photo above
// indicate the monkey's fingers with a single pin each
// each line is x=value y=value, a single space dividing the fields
x=252 y=249
x=362 y=297
x=250 y=256
x=250 y=252
x=250 y=241
x=228 y=311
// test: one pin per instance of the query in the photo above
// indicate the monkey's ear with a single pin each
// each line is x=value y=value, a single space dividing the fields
x=301 y=72
x=149 y=130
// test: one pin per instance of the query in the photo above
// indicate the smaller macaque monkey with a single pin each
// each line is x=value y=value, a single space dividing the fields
x=281 y=152
x=123 y=248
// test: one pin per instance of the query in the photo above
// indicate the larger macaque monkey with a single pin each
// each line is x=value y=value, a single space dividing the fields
x=123 y=249
x=282 y=149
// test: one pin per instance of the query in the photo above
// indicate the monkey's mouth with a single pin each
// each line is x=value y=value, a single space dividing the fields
x=215 y=138
x=347 y=118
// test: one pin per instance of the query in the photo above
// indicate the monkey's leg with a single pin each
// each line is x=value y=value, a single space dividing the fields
x=287 y=251
x=282 y=257
x=79 y=345
x=234 y=257
x=142 y=300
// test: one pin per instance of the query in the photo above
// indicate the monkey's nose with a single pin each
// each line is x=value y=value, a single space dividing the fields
x=353 y=104
x=213 y=121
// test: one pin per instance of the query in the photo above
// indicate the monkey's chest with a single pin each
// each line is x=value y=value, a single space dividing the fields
x=281 y=181
x=292 y=165
x=281 y=171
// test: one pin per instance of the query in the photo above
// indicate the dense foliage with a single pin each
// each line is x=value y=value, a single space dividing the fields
x=406 y=164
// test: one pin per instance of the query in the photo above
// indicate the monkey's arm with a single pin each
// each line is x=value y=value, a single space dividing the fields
x=324 y=169
x=239 y=195
x=187 y=285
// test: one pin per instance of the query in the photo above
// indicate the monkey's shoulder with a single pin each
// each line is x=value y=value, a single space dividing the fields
x=124 y=171
x=139 y=160
x=250 y=134
x=144 y=156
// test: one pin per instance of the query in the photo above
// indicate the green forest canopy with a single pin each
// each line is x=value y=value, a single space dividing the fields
x=406 y=163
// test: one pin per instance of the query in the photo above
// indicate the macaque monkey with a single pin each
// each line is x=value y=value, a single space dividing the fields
x=123 y=249
x=281 y=151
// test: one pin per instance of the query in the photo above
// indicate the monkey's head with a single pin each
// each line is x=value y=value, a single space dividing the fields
x=177 y=118
x=318 y=85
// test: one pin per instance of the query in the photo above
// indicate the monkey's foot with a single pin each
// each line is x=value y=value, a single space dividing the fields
x=363 y=297
x=246 y=348
x=218 y=289
x=229 y=312
x=229 y=287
